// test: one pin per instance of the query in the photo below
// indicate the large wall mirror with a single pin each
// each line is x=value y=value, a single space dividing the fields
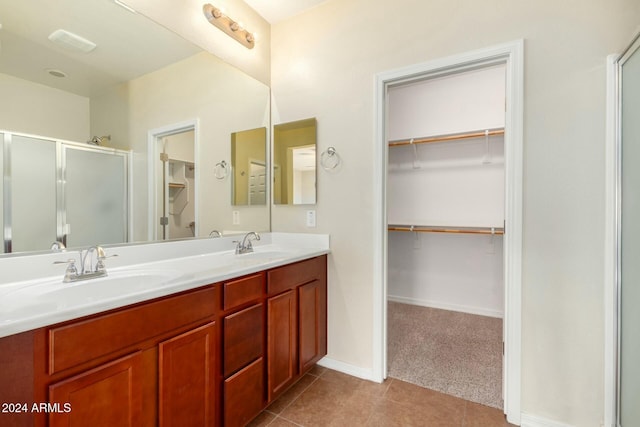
x=130 y=85
x=294 y=163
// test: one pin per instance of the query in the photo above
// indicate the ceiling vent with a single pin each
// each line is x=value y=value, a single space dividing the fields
x=72 y=41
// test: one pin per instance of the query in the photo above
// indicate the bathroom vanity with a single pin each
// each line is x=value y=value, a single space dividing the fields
x=215 y=354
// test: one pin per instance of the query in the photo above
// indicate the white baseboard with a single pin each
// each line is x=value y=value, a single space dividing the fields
x=446 y=306
x=528 y=420
x=345 y=368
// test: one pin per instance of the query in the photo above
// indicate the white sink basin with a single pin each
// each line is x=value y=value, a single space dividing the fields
x=265 y=255
x=54 y=294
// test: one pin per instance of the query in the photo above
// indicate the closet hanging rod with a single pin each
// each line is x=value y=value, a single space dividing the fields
x=448 y=137
x=461 y=230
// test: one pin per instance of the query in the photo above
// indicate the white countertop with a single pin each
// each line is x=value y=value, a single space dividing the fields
x=32 y=294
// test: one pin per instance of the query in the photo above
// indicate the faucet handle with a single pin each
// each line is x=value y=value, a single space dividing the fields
x=71 y=269
x=100 y=266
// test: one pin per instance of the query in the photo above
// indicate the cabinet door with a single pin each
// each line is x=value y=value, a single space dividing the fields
x=281 y=342
x=312 y=323
x=243 y=395
x=187 y=378
x=109 y=395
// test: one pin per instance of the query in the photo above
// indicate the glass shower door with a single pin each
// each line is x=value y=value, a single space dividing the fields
x=95 y=197
x=629 y=269
x=31 y=195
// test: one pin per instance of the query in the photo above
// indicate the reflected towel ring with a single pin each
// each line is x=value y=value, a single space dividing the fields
x=329 y=159
x=221 y=170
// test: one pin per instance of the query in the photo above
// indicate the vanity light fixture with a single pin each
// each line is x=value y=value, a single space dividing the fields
x=228 y=25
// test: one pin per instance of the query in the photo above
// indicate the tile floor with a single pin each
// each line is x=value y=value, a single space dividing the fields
x=328 y=398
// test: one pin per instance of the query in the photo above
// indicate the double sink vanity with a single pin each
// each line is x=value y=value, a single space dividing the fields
x=183 y=333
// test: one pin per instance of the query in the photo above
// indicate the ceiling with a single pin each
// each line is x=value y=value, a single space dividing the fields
x=278 y=10
x=128 y=44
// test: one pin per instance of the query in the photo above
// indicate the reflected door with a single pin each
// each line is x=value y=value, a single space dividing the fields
x=95 y=197
x=629 y=291
x=31 y=212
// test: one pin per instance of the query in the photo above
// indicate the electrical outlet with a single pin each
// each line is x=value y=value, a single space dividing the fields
x=311 y=218
x=236 y=217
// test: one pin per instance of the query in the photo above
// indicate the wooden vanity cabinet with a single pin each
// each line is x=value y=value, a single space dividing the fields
x=153 y=363
x=187 y=378
x=243 y=330
x=296 y=321
x=89 y=398
x=216 y=355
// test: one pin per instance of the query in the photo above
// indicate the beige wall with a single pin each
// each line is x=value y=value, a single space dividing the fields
x=36 y=109
x=323 y=65
x=223 y=101
x=186 y=18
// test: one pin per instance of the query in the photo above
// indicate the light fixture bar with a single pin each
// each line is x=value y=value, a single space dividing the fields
x=228 y=25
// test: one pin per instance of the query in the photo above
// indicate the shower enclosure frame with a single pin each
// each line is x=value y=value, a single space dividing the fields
x=6 y=139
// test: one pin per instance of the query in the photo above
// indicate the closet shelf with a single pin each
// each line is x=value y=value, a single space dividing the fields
x=176 y=185
x=457 y=230
x=448 y=137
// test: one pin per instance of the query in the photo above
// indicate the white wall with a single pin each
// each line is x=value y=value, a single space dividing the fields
x=36 y=109
x=323 y=65
x=459 y=272
x=463 y=102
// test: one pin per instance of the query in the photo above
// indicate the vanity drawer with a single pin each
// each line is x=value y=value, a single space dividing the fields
x=289 y=276
x=79 y=342
x=244 y=395
x=243 y=290
x=243 y=338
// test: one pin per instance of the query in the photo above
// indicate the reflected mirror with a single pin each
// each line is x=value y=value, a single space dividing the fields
x=121 y=81
x=249 y=167
x=294 y=162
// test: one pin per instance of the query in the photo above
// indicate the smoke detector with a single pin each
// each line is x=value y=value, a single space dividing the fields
x=72 y=41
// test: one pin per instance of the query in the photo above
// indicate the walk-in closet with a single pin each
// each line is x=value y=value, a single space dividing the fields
x=177 y=176
x=446 y=211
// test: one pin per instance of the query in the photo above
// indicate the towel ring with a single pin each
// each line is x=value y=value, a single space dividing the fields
x=221 y=170
x=329 y=159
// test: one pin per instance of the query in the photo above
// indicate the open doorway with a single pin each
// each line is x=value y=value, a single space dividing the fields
x=445 y=210
x=510 y=55
x=174 y=180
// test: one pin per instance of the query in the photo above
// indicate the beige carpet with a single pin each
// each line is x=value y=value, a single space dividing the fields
x=455 y=353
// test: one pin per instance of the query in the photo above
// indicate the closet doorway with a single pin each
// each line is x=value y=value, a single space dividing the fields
x=450 y=144
x=173 y=210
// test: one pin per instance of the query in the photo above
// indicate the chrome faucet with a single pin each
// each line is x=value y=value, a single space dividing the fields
x=86 y=257
x=86 y=269
x=58 y=246
x=215 y=233
x=245 y=245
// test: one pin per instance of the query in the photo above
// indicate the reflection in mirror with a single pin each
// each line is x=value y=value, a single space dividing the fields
x=294 y=162
x=140 y=77
x=57 y=190
x=249 y=166
x=176 y=184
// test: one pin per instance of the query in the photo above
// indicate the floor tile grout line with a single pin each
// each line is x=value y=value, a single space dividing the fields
x=287 y=419
x=298 y=395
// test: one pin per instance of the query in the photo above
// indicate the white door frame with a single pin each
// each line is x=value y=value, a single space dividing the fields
x=154 y=155
x=512 y=54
